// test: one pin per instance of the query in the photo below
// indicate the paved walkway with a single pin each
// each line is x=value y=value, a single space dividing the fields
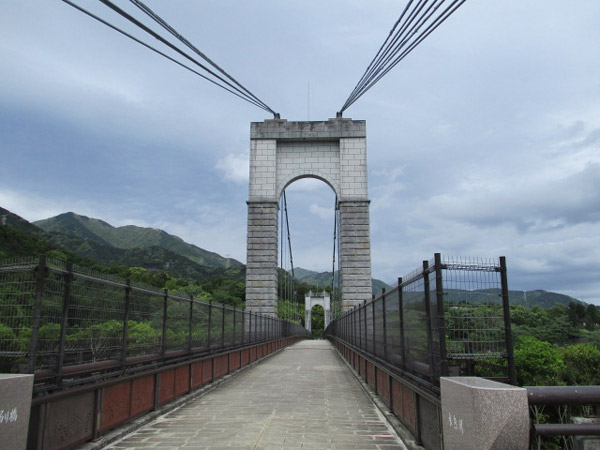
x=302 y=398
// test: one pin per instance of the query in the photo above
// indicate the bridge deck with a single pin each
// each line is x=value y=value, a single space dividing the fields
x=304 y=397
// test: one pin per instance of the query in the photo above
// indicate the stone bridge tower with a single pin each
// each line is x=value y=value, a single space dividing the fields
x=282 y=152
x=317 y=298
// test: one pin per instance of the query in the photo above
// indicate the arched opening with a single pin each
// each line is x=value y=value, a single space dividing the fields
x=317 y=315
x=308 y=212
x=283 y=153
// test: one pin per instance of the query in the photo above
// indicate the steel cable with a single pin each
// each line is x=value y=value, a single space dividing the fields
x=420 y=39
x=228 y=86
x=401 y=41
x=394 y=47
x=171 y=30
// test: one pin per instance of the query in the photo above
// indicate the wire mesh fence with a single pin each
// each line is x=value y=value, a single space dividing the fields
x=54 y=315
x=449 y=317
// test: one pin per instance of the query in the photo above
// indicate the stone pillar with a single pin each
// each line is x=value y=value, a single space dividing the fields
x=308 y=320
x=15 y=405
x=326 y=309
x=261 y=267
x=355 y=253
x=480 y=414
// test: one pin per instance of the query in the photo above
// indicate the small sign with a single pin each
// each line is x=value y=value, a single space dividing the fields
x=455 y=424
x=8 y=416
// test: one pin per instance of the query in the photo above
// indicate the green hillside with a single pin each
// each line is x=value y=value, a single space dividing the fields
x=75 y=237
x=89 y=242
x=530 y=299
x=131 y=237
x=323 y=279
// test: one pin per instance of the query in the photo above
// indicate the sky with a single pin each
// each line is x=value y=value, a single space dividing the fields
x=484 y=142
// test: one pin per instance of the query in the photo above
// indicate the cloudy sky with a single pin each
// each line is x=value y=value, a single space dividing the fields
x=485 y=141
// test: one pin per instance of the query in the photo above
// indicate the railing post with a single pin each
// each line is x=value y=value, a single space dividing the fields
x=40 y=277
x=356 y=320
x=384 y=324
x=439 y=293
x=68 y=277
x=234 y=335
x=190 y=323
x=427 y=296
x=222 y=326
x=359 y=327
x=125 y=337
x=249 y=327
x=401 y=323
x=512 y=374
x=243 y=326
x=209 y=335
x=374 y=326
x=163 y=350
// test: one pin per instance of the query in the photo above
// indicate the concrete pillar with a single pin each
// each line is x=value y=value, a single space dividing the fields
x=355 y=253
x=261 y=267
x=480 y=414
x=308 y=319
x=15 y=405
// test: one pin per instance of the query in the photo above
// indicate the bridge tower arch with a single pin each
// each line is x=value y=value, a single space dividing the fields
x=322 y=299
x=281 y=152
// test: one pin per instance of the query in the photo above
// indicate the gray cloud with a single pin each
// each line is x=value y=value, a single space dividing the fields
x=484 y=141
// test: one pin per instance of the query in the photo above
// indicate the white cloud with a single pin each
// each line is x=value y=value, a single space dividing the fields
x=321 y=212
x=235 y=167
x=481 y=142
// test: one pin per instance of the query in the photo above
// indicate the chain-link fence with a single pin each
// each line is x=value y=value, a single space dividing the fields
x=449 y=317
x=58 y=320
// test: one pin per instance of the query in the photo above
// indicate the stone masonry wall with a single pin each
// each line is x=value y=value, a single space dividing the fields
x=261 y=265
x=302 y=159
x=355 y=253
x=281 y=152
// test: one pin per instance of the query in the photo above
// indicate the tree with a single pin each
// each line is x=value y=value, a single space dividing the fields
x=538 y=363
x=576 y=313
x=592 y=317
x=582 y=364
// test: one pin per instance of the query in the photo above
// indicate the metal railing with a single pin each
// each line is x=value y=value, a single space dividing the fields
x=60 y=321
x=563 y=396
x=450 y=317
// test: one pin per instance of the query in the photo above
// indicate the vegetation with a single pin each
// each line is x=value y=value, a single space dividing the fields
x=322 y=280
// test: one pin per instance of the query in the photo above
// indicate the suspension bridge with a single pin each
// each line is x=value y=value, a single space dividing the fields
x=129 y=366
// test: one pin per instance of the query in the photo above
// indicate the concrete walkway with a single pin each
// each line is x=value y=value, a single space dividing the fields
x=302 y=398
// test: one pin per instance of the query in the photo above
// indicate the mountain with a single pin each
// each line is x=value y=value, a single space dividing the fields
x=19 y=238
x=88 y=241
x=530 y=299
x=324 y=279
x=132 y=237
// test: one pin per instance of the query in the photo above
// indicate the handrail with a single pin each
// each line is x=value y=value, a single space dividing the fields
x=564 y=395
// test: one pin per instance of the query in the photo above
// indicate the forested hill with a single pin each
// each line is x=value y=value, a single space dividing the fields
x=530 y=299
x=71 y=239
x=90 y=241
x=131 y=237
x=323 y=279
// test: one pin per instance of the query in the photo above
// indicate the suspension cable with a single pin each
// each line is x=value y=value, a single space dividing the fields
x=287 y=222
x=226 y=85
x=171 y=30
x=402 y=39
x=334 y=246
x=289 y=239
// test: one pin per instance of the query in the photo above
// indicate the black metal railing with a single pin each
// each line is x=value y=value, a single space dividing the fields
x=59 y=321
x=450 y=317
x=563 y=398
